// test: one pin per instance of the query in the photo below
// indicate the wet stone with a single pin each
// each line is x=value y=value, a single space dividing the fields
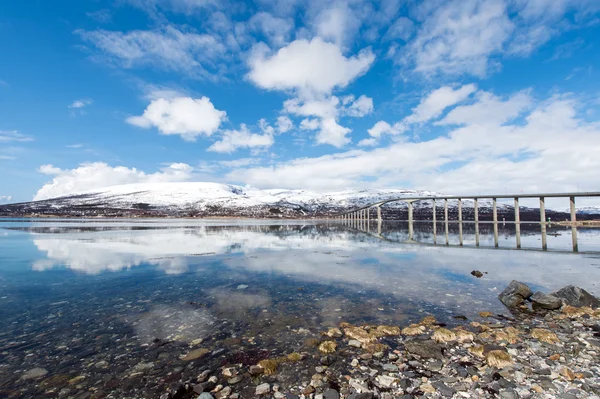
x=425 y=349
x=540 y=300
x=444 y=389
x=515 y=294
x=578 y=297
x=263 y=389
x=331 y=394
x=34 y=373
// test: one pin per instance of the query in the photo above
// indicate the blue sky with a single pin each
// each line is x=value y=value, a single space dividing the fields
x=466 y=96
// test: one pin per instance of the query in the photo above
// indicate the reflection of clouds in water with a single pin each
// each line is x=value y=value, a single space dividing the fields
x=115 y=250
x=183 y=324
x=439 y=275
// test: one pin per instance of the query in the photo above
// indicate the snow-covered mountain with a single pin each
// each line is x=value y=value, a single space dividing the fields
x=214 y=199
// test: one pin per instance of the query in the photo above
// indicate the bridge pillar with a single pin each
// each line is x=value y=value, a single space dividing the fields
x=410 y=220
x=460 y=223
x=543 y=223
x=379 y=220
x=517 y=223
x=573 y=225
x=476 y=210
x=434 y=222
x=446 y=220
x=495 y=216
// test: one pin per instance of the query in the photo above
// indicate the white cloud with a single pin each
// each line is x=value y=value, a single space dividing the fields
x=167 y=48
x=489 y=110
x=333 y=23
x=13 y=135
x=184 y=116
x=322 y=108
x=382 y=127
x=550 y=149
x=96 y=175
x=368 y=142
x=5 y=198
x=437 y=101
x=332 y=133
x=459 y=36
x=284 y=124
x=80 y=103
x=309 y=124
x=307 y=66
x=7 y=157
x=103 y=16
x=232 y=140
x=360 y=107
x=276 y=30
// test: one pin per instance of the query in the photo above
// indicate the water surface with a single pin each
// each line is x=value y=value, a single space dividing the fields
x=117 y=303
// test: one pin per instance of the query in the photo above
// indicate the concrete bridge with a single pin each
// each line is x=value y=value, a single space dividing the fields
x=363 y=214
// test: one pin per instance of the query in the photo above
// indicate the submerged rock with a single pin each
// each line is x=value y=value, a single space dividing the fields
x=477 y=273
x=426 y=349
x=515 y=294
x=578 y=297
x=263 y=389
x=34 y=373
x=539 y=300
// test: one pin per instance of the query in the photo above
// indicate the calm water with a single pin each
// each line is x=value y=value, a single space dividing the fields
x=96 y=300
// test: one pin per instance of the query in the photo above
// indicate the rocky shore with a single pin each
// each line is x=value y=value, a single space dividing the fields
x=550 y=348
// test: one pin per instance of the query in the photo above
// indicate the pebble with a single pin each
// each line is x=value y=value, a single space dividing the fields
x=263 y=389
x=354 y=343
x=205 y=395
x=34 y=373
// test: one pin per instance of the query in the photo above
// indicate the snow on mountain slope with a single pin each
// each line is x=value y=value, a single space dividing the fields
x=199 y=194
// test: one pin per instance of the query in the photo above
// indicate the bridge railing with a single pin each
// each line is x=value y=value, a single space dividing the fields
x=363 y=214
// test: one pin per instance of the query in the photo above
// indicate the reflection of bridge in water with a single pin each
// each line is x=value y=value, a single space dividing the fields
x=360 y=218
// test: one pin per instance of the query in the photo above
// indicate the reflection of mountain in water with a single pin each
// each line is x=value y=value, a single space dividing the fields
x=314 y=252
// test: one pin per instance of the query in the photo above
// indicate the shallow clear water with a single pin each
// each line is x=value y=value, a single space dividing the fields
x=98 y=298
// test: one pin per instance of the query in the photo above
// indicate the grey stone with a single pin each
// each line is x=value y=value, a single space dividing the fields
x=256 y=370
x=567 y=396
x=508 y=394
x=539 y=300
x=444 y=389
x=291 y=396
x=331 y=394
x=355 y=343
x=34 y=373
x=364 y=395
x=515 y=294
x=578 y=297
x=205 y=395
x=426 y=349
x=390 y=367
x=234 y=380
x=204 y=387
x=263 y=389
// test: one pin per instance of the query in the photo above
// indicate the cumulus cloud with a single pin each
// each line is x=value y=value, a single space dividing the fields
x=96 y=175
x=313 y=66
x=232 y=140
x=309 y=124
x=284 y=124
x=549 y=148
x=5 y=199
x=332 y=133
x=358 y=108
x=381 y=128
x=184 y=116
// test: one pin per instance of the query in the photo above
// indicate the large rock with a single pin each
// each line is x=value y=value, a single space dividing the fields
x=426 y=349
x=578 y=297
x=515 y=294
x=539 y=300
